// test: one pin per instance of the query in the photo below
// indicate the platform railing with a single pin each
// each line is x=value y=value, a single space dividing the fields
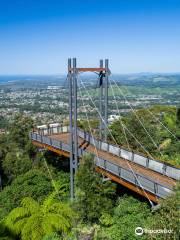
x=52 y=130
x=153 y=164
x=137 y=179
x=147 y=162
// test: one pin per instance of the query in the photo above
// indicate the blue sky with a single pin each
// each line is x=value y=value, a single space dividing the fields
x=37 y=37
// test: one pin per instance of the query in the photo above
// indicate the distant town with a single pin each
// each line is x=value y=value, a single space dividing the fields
x=45 y=98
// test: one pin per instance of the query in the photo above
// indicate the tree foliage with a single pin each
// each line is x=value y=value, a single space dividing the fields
x=34 y=184
x=94 y=196
x=129 y=214
x=178 y=116
x=150 y=130
x=50 y=218
x=52 y=236
x=167 y=217
x=16 y=163
x=19 y=130
x=33 y=221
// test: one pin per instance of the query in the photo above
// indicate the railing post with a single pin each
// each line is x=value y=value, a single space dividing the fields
x=155 y=188
x=119 y=152
x=100 y=144
x=104 y=164
x=119 y=171
x=147 y=162
x=164 y=169
x=135 y=179
x=132 y=158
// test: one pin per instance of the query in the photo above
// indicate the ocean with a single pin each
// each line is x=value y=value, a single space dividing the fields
x=12 y=78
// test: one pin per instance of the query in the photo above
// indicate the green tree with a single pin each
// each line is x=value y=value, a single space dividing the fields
x=34 y=183
x=167 y=217
x=178 y=116
x=4 y=233
x=94 y=196
x=16 y=163
x=3 y=122
x=52 y=236
x=2 y=157
x=61 y=183
x=19 y=130
x=33 y=221
x=136 y=124
x=161 y=139
x=129 y=214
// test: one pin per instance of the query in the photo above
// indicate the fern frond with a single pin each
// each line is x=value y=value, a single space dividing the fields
x=30 y=204
x=18 y=226
x=48 y=202
x=33 y=228
x=57 y=222
x=14 y=216
x=63 y=209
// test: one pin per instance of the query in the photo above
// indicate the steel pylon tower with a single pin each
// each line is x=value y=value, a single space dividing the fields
x=73 y=71
x=72 y=78
x=103 y=99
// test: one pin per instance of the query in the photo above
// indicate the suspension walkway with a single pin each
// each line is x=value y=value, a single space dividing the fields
x=148 y=177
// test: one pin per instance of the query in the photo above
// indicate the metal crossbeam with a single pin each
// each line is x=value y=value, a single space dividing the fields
x=101 y=69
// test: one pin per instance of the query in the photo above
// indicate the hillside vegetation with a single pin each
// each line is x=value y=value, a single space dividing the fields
x=158 y=130
x=34 y=195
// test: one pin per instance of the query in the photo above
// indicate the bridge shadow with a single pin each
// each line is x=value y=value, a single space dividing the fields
x=121 y=191
x=84 y=145
x=60 y=162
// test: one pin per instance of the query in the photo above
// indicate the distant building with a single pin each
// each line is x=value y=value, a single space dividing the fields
x=53 y=87
x=2 y=131
x=113 y=118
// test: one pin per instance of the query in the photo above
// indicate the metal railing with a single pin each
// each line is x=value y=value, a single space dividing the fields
x=153 y=164
x=137 y=179
x=52 y=130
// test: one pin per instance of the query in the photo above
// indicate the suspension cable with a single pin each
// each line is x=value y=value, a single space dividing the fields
x=88 y=122
x=133 y=134
x=155 y=118
x=148 y=134
x=120 y=120
x=125 y=128
x=51 y=177
x=117 y=144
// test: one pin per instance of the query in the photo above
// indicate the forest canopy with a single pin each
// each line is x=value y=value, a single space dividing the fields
x=34 y=195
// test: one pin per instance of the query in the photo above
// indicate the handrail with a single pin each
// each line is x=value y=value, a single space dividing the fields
x=158 y=189
x=153 y=164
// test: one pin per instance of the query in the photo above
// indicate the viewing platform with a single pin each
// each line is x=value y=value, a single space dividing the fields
x=148 y=177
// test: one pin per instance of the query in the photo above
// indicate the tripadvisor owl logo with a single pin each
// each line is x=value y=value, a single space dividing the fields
x=139 y=231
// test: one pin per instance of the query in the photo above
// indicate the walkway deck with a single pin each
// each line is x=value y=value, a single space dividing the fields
x=161 y=184
x=64 y=137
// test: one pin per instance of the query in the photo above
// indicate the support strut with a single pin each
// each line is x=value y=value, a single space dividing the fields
x=103 y=108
